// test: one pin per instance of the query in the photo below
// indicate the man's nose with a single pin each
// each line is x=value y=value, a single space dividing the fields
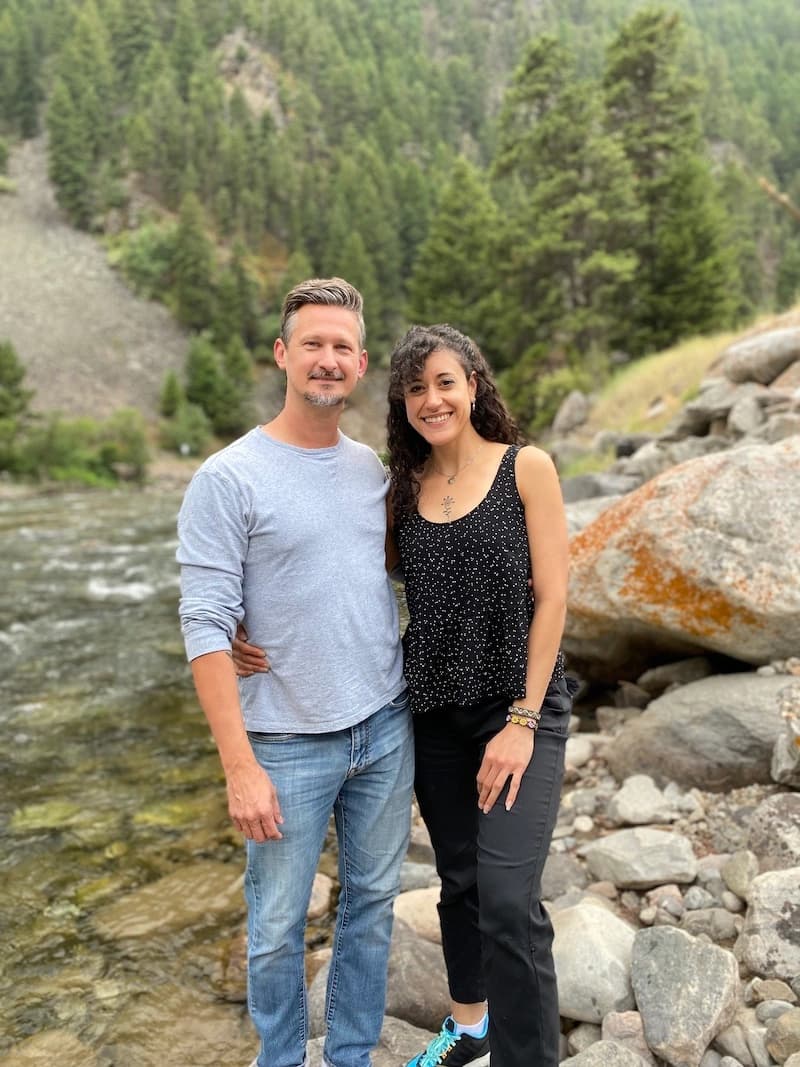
x=327 y=357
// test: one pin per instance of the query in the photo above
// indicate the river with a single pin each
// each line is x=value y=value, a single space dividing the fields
x=120 y=876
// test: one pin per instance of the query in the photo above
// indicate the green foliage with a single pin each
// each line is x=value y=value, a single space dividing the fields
x=70 y=156
x=145 y=256
x=334 y=136
x=686 y=279
x=536 y=396
x=14 y=398
x=84 y=451
x=564 y=248
x=219 y=383
x=193 y=266
x=187 y=431
x=171 y=395
x=14 y=404
x=454 y=269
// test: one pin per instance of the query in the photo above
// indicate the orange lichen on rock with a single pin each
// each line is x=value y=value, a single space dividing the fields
x=586 y=545
x=665 y=594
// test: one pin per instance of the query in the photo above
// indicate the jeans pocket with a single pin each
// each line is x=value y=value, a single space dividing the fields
x=401 y=700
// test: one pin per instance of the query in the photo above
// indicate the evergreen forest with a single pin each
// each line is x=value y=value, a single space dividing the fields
x=569 y=181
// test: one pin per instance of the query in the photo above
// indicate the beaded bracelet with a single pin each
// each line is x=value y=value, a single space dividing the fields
x=524 y=717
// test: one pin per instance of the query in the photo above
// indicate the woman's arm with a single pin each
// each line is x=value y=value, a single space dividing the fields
x=508 y=753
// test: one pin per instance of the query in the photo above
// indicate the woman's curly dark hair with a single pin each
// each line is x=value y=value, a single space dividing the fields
x=408 y=450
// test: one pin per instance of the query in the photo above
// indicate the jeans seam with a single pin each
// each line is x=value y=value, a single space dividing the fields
x=345 y=914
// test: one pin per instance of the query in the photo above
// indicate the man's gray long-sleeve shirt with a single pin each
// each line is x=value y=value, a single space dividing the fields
x=292 y=540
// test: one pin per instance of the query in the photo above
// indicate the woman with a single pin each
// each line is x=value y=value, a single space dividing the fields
x=476 y=516
x=478 y=521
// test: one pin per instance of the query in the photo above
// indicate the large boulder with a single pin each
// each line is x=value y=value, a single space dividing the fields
x=704 y=556
x=763 y=357
x=720 y=732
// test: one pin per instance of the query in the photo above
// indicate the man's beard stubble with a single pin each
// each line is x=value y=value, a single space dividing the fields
x=323 y=400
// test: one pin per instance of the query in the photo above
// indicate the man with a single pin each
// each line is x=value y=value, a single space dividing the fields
x=285 y=528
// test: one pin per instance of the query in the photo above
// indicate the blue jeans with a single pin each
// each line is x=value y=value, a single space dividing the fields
x=364 y=775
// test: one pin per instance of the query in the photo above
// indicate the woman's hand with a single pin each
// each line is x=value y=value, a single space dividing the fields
x=247 y=659
x=505 y=759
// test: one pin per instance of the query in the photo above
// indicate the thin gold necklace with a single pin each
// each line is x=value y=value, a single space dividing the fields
x=452 y=477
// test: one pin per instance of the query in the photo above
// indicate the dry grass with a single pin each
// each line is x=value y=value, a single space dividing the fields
x=644 y=396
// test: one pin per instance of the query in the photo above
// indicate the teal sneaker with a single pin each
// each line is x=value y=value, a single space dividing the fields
x=449 y=1049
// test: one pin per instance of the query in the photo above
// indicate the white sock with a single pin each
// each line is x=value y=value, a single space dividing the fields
x=476 y=1030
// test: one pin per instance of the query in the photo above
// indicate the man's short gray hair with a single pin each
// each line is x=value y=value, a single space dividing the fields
x=329 y=292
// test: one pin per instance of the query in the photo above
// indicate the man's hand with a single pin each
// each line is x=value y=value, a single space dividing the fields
x=253 y=803
x=247 y=659
x=506 y=757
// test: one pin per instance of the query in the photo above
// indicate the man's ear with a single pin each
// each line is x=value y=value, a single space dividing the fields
x=363 y=360
x=279 y=352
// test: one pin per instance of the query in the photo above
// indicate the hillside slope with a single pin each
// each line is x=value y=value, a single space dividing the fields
x=88 y=343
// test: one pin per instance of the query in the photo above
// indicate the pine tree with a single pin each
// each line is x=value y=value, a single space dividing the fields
x=652 y=105
x=14 y=405
x=70 y=156
x=14 y=397
x=563 y=249
x=133 y=34
x=694 y=270
x=85 y=66
x=28 y=91
x=453 y=273
x=171 y=395
x=193 y=267
x=187 y=45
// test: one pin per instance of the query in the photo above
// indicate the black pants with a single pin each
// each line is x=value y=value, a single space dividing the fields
x=497 y=937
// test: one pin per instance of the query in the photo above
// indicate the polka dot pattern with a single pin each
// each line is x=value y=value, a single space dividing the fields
x=469 y=600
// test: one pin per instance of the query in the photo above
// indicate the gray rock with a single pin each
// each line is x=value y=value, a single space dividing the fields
x=417 y=988
x=696 y=897
x=572 y=413
x=739 y=871
x=417 y=876
x=757 y=1044
x=763 y=357
x=600 y=484
x=775 y=832
x=561 y=873
x=732 y=1042
x=767 y=1010
x=604 y=1054
x=718 y=924
x=716 y=403
x=780 y=427
x=679 y=672
x=638 y=802
x=745 y=416
x=582 y=1036
x=641 y=858
x=769 y=944
x=719 y=731
x=625 y=1027
x=783 y=1035
x=592 y=949
x=686 y=992
x=711 y=1059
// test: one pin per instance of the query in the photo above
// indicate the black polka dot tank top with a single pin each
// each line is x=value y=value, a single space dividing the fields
x=469 y=600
